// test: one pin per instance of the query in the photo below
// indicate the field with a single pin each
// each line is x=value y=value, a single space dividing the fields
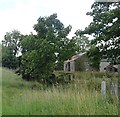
x=80 y=97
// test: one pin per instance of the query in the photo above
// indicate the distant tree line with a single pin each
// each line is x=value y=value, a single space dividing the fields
x=105 y=29
x=44 y=52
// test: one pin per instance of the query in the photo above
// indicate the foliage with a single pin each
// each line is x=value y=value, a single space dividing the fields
x=74 y=98
x=10 y=48
x=67 y=48
x=12 y=41
x=82 y=42
x=105 y=29
x=94 y=57
x=46 y=50
x=38 y=63
x=8 y=59
x=80 y=63
x=51 y=29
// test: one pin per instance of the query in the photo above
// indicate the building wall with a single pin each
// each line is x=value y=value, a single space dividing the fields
x=87 y=67
x=65 y=67
x=82 y=64
x=69 y=66
x=72 y=66
x=103 y=64
x=119 y=68
x=79 y=64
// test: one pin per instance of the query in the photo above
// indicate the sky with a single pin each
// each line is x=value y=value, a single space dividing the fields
x=21 y=15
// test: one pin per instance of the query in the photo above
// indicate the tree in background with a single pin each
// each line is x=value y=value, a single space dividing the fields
x=10 y=48
x=82 y=42
x=56 y=34
x=94 y=56
x=105 y=29
x=67 y=49
x=43 y=52
x=12 y=41
x=8 y=59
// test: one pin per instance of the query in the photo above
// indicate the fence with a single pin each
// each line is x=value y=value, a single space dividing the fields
x=114 y=88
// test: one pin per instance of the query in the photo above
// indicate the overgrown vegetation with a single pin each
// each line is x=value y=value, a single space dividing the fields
x=105 y=29
x=79 y=97
x=41 y=53
x=50 y=47
x=45 y=52
x=10 y=48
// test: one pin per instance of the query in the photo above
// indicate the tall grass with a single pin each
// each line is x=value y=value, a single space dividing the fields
x=31 y=98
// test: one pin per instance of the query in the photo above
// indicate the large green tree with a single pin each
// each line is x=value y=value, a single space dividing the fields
x=42 y=52
x=53 y=30
x=105 y=28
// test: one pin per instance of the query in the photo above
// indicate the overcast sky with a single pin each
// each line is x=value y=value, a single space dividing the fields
x=23 y=14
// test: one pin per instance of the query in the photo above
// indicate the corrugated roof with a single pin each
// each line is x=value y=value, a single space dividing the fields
x=74 y=57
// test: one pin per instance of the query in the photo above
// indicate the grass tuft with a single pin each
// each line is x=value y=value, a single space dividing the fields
x=80 y=97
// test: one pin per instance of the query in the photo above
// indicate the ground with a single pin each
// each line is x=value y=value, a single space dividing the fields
x=79 y=97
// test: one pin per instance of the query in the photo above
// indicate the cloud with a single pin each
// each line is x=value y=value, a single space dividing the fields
x=23 y=14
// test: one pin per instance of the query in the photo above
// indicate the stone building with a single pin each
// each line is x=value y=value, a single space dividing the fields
x=106 y=66
x=80 y=62
x=77 y=62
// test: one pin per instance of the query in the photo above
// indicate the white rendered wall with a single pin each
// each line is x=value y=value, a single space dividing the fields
x=72 y=66
x=103 y=65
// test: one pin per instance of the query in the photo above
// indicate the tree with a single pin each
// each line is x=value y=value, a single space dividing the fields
x=94 y=56
x=12 y=41
x=8 y=59
x=38 y=61
x=41 y=52
x=105 y=29
x=56 y=34
x=67 y=48
x=10 y=48
x=82 y=42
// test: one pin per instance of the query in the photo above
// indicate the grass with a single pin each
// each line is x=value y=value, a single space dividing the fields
x=20 y=97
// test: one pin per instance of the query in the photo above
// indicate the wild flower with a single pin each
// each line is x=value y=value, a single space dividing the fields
x=21 y=94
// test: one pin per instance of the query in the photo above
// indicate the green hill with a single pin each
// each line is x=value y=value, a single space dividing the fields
x=20 y=97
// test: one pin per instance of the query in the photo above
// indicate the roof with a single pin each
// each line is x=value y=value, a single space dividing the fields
x=73 y=58
x=105 y=60
x=111 y=66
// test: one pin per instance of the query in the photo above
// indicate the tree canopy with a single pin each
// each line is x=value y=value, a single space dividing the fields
x=12 y=41
x=105 y=28
x=47 y=50
x=50 y=47
x=10 y=48
x=82 y=42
